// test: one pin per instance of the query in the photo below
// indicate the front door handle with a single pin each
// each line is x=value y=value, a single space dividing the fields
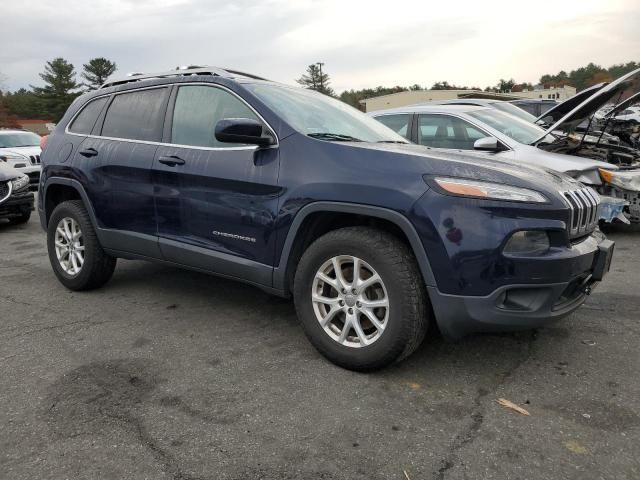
x=89 y=152
x=171 y=160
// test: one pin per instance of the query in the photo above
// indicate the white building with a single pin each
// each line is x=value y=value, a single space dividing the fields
x=402 y=99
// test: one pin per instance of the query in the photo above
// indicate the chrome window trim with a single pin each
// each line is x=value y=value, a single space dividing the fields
x=176 y=145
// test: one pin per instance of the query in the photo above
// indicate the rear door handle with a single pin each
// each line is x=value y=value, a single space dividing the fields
x=89 y=152
x=171 y=160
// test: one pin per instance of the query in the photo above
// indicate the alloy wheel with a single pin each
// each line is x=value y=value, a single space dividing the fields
x=69 y=246
x=350 y=301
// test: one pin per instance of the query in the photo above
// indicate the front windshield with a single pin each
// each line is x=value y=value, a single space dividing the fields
x=513 y=127
x=514 y=110
x=19 y=139
x=319 y=116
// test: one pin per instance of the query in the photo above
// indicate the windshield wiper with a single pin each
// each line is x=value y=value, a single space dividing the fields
x=18 y=146
x=391 y=141
x=334 y=137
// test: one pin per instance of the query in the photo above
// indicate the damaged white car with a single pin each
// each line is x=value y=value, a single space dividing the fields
x=558 y=147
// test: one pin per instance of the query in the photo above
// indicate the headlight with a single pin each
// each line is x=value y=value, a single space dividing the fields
x=625 y=180
x=527 y=243
x=20 y=182
x=5 y=157
x=494 y=191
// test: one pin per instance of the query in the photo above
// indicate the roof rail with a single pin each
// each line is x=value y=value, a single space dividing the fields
x=180 y=72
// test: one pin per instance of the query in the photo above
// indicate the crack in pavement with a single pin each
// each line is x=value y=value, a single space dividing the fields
x=83 y=324
x=471 y=432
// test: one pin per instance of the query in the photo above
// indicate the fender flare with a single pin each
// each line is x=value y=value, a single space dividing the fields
x=76 y=185
x=402 y=222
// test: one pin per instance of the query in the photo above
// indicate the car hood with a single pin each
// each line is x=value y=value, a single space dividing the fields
x=625 y=86
x=479 y=167
x=24 y=151
x=562 y=108
x=561 y=162
x=8 y=173
x=623 y=105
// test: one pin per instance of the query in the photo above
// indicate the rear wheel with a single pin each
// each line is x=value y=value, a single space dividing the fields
x=75 y=254
x=360 y=298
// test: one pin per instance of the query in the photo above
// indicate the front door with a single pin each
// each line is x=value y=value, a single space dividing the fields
x=215 y=202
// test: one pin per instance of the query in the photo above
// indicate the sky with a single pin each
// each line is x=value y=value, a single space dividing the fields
x=362 y=43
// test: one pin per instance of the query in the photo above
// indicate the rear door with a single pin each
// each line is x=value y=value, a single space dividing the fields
x=216 y=202
x=117 y=160
x=400 y=123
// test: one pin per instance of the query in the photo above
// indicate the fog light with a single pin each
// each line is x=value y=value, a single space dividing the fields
x=527 y=243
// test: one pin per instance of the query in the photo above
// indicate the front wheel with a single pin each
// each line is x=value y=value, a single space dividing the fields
x=360 y=298
x=75 y=254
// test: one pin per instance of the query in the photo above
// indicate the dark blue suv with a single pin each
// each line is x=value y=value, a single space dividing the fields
x=299 y=194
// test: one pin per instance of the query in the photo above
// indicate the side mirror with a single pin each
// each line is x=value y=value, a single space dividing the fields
x=242 y=130
x=488 y=144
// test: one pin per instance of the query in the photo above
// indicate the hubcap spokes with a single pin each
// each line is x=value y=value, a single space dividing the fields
x=350 y=301
x=69 y=246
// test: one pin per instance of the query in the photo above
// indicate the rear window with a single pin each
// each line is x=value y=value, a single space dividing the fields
x=398 y=123
x=137 y=115
x=86 y=119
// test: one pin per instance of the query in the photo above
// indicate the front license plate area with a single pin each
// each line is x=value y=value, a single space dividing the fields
x=603 y=259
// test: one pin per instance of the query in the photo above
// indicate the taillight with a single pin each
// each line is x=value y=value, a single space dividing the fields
x=43 y=142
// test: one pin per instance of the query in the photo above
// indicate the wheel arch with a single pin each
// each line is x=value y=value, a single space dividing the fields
x=57 y=190
x=295 y=239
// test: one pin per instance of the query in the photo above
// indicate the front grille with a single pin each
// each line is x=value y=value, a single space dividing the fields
x=585 y=211
x=35 y=159
x=5 y=191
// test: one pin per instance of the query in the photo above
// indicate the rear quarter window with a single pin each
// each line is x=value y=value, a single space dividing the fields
x=136 y=115
x=86 y=119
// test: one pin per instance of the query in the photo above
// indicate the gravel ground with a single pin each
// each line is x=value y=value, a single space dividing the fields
x=172 y=374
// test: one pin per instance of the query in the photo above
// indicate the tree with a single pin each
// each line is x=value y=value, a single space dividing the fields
x=97 y=71
x=505 y=86
x=58 y=92
x=588 y=75
x=25 y=104
x=316 y=79
x=6 y=119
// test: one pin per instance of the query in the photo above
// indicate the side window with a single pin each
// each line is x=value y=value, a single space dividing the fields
x=86 y=119
x=137 y=115
x=198 y=109
x=397 y=123
x=444 y=131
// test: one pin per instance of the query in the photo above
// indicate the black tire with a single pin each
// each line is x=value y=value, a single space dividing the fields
x=408 y=320
x=98 y=267
x=21 y=219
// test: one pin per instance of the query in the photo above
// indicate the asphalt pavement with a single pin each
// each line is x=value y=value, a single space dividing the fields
x=165 y=373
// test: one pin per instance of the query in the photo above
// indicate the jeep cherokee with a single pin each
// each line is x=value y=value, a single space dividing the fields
x=299 y=194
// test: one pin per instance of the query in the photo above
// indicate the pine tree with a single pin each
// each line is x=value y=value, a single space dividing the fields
x=97 y=71
x=58 y=92
x=315 y=79
x=6 y=119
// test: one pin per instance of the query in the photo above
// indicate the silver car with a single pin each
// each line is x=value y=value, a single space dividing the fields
x=501 y=135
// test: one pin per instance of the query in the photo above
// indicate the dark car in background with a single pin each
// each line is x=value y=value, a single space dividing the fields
x=16 y=200
x=535 y=107
x=301 y=195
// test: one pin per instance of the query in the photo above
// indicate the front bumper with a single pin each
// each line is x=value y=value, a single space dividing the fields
x=522 y=306
x=17 y=204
